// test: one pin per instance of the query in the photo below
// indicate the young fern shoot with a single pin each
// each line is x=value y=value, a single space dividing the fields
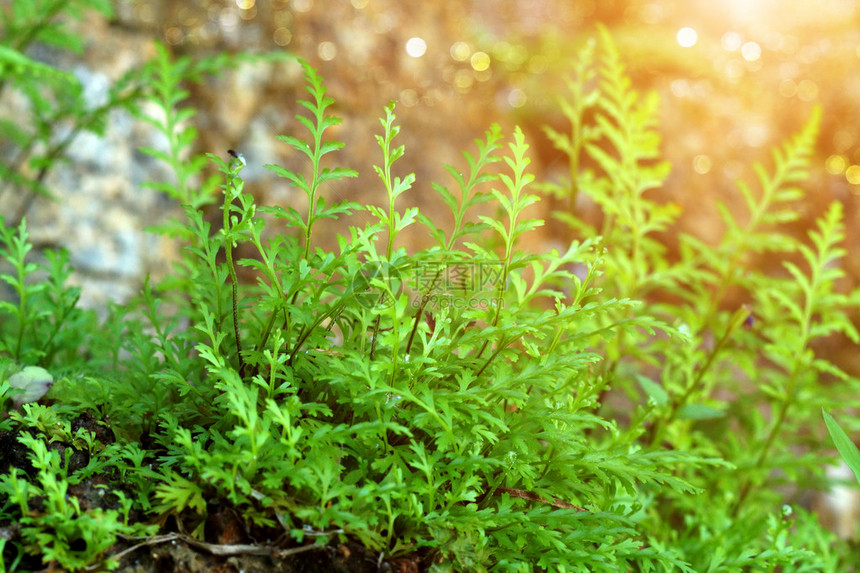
x=16 y=246
x=575 y=108
x=317 y=126
x=513 y=203
x=393 y=221
x=469 y=198
x=394 y=187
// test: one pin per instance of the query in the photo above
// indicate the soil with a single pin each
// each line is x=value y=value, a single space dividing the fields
x=176 y=555
x=226 y=547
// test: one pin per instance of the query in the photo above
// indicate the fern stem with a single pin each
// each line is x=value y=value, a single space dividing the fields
x=737 y=319
x=775 y=429
x=788 y=397
x=229 y=195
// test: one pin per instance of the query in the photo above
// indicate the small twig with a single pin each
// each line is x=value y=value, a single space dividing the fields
x=531 y=496
x=212 y=548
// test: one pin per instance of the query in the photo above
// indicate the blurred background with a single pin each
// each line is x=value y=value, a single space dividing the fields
x=735 y=79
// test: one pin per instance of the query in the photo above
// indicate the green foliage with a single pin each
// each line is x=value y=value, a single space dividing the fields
x=42 y=324
x=847 y=449
x=25 y=23
x=58 y=110
x=318 y=208
x=322 y=422
x=743 y=381
x=164 y=79
x=609 y=407
x=61 y=530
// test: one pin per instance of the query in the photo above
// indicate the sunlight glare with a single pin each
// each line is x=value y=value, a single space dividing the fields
x=687 y=37
x=751 y=51
x=416 y=47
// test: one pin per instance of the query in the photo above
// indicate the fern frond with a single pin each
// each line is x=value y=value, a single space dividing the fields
x=321 y=120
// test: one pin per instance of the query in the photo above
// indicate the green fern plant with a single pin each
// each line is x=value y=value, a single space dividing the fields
x=62 y=532
x=41 y=325
x=313 y=436
x=758 y=351
x=467 y=406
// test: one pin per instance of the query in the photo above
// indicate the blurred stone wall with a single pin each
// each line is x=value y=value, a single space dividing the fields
x=99 y=208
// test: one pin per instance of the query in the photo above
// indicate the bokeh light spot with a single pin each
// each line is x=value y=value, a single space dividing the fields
x=808 y=55
x=245 y=4
x=463 y=80
x=327 y=51
x=460 y=51
x=408 y=97
x=852 y=174
x=680 y=88
x=430 y=98
x=359 y=4
x=146 y=14
x=835 y=164
x=807 y=90
x=756 y=135
x=502 y=50
x=751 y=51
x=173 y=36
x=538 y=64
x=702 y=164
x=282 y=36
x=518 y=56
x=517 y=98
x=787 y=88
x=734 y=69
x=480 y=61
x=687 y=37
x=228 y=19
x=416 y=47
x=652 y=13
x=731 y=41
x=302 y=5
